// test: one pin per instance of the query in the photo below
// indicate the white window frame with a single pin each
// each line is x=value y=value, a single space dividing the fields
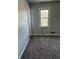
x=44 y=8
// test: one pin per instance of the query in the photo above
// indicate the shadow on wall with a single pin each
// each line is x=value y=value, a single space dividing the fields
x=23 y=26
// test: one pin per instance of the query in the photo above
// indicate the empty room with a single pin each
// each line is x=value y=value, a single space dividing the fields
x=38 y=29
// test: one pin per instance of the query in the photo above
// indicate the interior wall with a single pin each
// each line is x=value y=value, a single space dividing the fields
x=54 y=20
x=23 y=26
x=35 y=1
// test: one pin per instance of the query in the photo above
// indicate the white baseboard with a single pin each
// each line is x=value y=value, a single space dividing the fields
x=45 y=35
x=23 y=50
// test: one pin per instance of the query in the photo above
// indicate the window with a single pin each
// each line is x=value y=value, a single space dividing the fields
x=44 y=18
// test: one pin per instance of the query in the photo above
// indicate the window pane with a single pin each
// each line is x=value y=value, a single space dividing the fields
x=44 y=17
x=44 y=22
x=44 y=13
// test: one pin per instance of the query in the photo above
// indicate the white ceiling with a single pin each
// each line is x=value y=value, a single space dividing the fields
x=33 y=1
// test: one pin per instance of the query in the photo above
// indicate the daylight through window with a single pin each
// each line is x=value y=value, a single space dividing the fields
x=44 y=18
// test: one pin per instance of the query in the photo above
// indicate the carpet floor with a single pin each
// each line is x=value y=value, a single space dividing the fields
x=42 y=48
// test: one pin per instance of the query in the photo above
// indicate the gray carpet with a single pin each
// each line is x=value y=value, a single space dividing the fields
x=43 y=48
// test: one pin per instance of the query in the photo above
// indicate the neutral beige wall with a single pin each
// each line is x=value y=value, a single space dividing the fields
x=23 y=26
x=21 y=13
